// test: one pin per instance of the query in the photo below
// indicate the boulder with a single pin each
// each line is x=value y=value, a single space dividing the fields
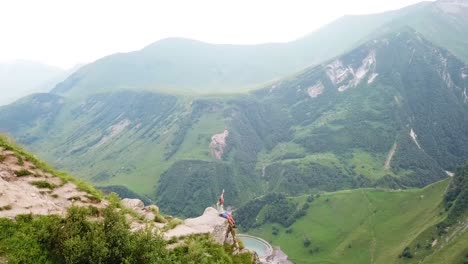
x=208 y=223
x=277 y=257
x=134 y=204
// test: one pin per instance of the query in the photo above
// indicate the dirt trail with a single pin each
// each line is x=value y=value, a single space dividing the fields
x=390 y=156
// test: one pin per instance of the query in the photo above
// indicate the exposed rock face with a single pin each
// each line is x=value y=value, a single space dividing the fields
x=465 y=95
x=113 y=131
x=346 y=76
x=315 y=90
x=277 y=257
x=133 y=203
x=208 y=223
x=218 y=143
x=148 y=212
x=414 y=137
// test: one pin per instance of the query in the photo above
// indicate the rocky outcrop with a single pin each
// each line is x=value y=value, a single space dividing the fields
x=349 y=76
x=277 y=257
x=315 y=90
x=208 y=223
x=26 y=189
x=218 y=143
x=148 y=212
x=113 y=131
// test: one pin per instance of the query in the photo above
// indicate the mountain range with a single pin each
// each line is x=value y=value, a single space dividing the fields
x=391 y=112
x=21 y=78
x=210 y=68
x=365 y=103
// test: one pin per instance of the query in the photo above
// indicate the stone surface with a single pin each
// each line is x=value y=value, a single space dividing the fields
x=277 y=257
x=208 y=223
x=133 y=203
x=218 y=144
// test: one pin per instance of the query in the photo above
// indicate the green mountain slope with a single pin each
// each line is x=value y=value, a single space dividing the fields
x=232 y=68
x=392 y=112
x=373 y=226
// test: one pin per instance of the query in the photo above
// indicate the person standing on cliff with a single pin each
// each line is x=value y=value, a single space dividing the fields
x=223 y=213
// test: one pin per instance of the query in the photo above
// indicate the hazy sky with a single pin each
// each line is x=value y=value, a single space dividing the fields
x=66 y=32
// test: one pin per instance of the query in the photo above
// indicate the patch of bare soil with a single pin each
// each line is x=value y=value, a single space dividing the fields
x=26 y=189
x=218 y=144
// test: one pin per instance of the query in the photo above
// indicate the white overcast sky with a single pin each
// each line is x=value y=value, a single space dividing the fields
x=66 y=32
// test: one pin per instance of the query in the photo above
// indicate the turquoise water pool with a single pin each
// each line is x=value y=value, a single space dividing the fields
x=256 y=244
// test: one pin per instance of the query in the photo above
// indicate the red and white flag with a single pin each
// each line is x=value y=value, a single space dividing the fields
x=221 y=198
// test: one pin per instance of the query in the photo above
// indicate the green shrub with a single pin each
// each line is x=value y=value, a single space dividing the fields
x=94 y=211
x=93 y=198
x=22 y=172
x=172 y=224
x=43 y=184
x=20 y=161
x=159 y=218
x=406 y=253
x=2 y=158
x=76 y=239
x=306 y=242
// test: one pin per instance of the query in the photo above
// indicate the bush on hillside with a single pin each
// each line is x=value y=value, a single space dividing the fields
x=306 y=242
x=75 y=239
x=45 y=184
x=406 y=253
x=22 y=172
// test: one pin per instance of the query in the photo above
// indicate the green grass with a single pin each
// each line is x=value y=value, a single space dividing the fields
x=171 y=224
x=197 y=141
x=370 y=166
x=453 y=252
x=23 y=172
x=359 y=226
x=44 y=184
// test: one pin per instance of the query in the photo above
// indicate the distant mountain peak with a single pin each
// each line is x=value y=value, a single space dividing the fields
x=454 y=6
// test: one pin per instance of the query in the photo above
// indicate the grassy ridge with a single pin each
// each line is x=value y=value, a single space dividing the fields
x=361 y=226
